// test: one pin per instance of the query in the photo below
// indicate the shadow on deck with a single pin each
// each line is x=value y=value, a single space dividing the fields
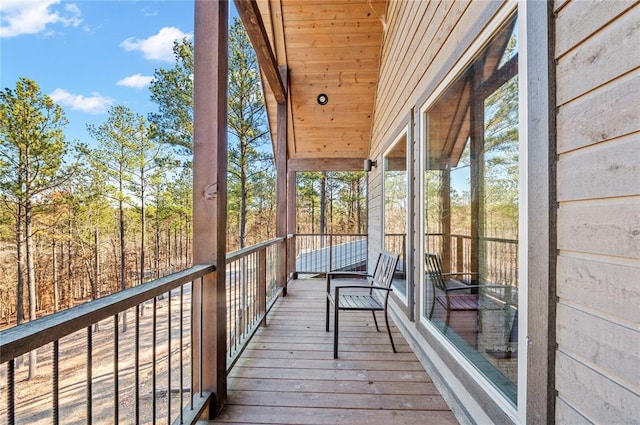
x=288 y=375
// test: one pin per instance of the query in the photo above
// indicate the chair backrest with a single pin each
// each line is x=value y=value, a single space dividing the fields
x=434 y=270
x=385 y=269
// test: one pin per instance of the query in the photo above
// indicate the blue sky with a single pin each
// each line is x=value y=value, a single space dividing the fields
x=90 y=55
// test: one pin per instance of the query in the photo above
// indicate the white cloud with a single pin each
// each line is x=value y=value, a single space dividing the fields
x=32 y=16
x=156 y=47
x=74 y=16
x=94 y=104
x=137 y=81
x=148 y=11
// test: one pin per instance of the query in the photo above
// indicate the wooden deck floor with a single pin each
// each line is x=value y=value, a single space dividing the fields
x=288 y=375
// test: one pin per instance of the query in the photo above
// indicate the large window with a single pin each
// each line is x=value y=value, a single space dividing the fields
x=395 y=209
x=470 y=290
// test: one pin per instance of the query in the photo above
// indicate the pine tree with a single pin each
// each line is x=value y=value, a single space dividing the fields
x=32 y=152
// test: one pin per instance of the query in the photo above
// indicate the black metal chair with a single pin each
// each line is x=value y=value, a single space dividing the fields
x=454 y=294
x=354 y=296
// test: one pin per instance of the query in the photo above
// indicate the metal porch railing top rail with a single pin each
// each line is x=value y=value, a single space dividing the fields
x=29 y=336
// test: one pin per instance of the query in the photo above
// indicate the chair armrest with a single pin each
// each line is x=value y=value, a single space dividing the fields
x=460 y=273
x=338 y=275
x=382 y=288
x=463 y=288
x=369 y=287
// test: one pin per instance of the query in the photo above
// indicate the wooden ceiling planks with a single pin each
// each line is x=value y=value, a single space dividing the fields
x=331 y=47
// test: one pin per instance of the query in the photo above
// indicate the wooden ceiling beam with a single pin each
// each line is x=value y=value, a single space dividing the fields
x=326 y=164
x=252 y=20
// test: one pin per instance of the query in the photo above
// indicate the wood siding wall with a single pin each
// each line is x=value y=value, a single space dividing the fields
x=598 y=177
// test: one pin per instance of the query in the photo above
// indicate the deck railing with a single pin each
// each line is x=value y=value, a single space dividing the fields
x=316 y=253
x=131 y=357
x=252 y=289
x=143 y=344
x=146 y=371
x=499 y=256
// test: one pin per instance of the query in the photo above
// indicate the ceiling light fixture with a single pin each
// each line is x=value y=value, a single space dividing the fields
x=322 y=99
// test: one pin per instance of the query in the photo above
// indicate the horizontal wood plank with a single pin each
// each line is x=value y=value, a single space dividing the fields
x=606 y=113
x=566 y=414
x=322 y=416
x=329 y=54
x=350 y=26
x=600 y=344
x=383 y=356
x=602 y=58
x=588 y=173
x=338 y=386
x=599 y=399
x=605 y=227
x=327 y=11
x=339 y=400
x=600 y=286
x=579 y=19
x=333 y=40
x=326 y=164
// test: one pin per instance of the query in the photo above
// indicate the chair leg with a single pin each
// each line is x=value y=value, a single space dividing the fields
x=326 y=316
x=446 y=322
x=335 y=331
x=433 y=304
x=375 y=320
x=386 y=319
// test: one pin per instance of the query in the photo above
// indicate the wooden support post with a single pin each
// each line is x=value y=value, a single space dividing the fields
x=446 y=220
x=459 y=254
x=281 y=182
x=209 y=329
x=291 y=222
x=477 y=176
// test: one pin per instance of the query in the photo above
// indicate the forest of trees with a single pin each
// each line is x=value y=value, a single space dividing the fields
x=83 y=219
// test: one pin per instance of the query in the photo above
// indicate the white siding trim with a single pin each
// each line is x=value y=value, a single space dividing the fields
x=404 y=131
x=523 y=212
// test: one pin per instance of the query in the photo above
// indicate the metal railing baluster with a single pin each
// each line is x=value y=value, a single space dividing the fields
x=169 y=357
x=137 y=365
x=116 y=388
x=56 y=381
x=244 y=292
x=201 y=333
x=191 y=351
x=89 y=392
x=153 y=359
x=11 y=392
x=181 y=350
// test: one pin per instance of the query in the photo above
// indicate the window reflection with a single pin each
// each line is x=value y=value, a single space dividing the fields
x=395 y=209
x=471 y=216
